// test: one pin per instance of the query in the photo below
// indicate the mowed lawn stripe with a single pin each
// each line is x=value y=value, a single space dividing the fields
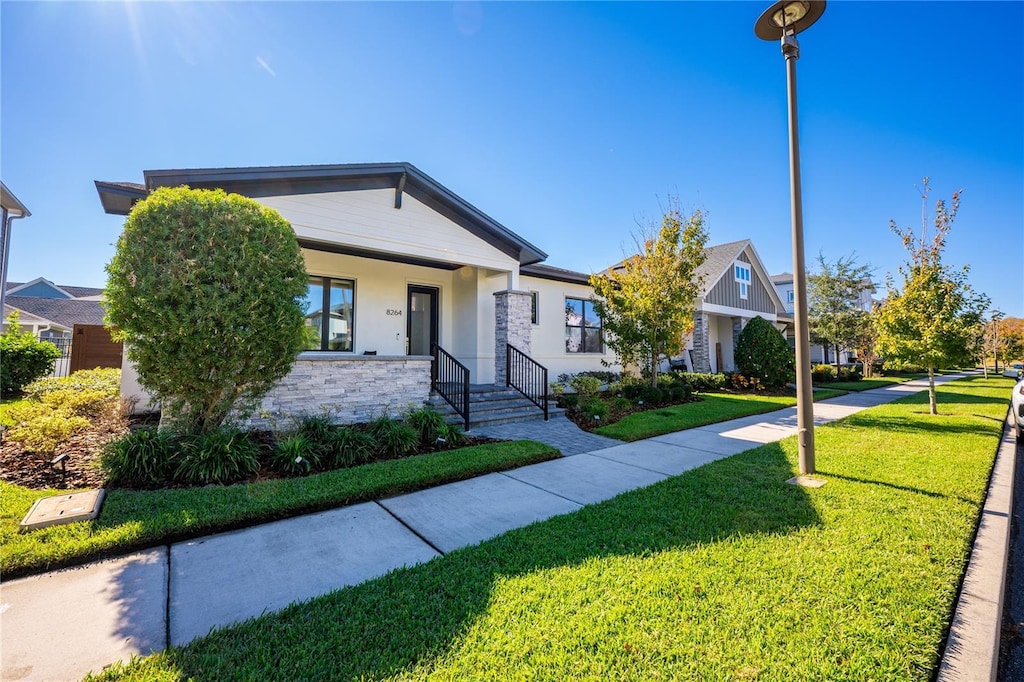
x=724 y=572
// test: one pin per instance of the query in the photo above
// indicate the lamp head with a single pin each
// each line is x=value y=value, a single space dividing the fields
x=788 y=17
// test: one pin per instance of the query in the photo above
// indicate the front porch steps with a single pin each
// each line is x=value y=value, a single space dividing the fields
x=490 y=405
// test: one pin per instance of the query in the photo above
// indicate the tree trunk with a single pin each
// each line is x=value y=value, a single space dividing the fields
x=931 y=392
x=835 y=347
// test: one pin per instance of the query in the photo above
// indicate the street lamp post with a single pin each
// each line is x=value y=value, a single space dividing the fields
x=784 y=20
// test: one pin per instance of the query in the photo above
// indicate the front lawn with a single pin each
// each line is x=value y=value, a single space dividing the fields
x=724 y=572
x=712 y=408
x=133 y=519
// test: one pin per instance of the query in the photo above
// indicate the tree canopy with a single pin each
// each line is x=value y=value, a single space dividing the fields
x=835 y=313
x=204 y=289
x=647 y=302
x=933 y=319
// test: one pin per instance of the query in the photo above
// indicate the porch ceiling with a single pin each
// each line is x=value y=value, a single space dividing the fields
x=329 y=247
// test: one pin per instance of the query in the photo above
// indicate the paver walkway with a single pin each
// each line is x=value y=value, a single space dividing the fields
x=557 y=432
x=60 y=625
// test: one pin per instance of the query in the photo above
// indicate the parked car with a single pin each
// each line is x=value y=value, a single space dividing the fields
x=1016 y=370
x=1017 y=407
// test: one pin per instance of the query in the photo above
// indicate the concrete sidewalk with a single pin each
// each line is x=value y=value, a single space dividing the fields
x=63 y=624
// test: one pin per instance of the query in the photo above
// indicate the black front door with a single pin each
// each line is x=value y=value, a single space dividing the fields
x=421 y=324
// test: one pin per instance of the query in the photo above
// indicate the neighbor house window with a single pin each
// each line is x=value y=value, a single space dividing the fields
x=534 y=307
x=742 y=272
x=329 y=311
x=789 y=296
x=582 y=327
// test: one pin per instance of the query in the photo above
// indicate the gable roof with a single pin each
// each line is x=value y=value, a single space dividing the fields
x=719 y=262
x=71 y=291
x=66 y=312
x=262 y=181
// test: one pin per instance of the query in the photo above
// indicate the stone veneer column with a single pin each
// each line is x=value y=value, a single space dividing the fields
x=511 y=325
x=701 y=357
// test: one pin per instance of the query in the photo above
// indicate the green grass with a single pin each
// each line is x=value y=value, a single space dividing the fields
x=713 y=408
x=136 y=519
x=725 y=572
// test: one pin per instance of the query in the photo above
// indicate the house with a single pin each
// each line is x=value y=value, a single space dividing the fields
x=405 y=277
x=735 y=288
x=784 y=287
x=50 y=311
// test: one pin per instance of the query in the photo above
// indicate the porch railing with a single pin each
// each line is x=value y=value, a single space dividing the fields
x=527 y=376
x=450 y=378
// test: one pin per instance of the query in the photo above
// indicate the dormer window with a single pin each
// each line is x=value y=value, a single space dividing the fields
x=741 y=271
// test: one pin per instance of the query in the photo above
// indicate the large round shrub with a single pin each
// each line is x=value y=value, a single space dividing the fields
x=762 y=352
x=23 y=357
x=204 y=289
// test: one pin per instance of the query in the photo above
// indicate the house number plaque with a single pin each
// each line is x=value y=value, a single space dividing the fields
x=392 y=311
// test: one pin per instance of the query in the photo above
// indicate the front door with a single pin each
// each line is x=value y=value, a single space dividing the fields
x=421 y=324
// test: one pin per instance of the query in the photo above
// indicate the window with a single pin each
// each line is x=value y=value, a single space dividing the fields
x=789 y=296
x=534 y=308
x=332 y=331
x=742 y=273
x=582 y=327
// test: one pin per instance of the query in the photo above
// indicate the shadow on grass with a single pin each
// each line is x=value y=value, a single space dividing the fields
x=939 y=424
x=904 y=488
x=412 y=616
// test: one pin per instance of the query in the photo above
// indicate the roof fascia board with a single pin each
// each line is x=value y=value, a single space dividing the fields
x=766 y=279
x=11 y=203
x=709 y=285
x=314 y=245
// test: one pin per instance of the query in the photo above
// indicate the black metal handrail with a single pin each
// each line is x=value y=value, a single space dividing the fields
x=450 y=378
x=527 y=376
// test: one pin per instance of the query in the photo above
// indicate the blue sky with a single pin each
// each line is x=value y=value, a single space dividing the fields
x=566 y=122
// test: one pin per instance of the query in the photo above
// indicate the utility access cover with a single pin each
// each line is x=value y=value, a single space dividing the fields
x=59 y=509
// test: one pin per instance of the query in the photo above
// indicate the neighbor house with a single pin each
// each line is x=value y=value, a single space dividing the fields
x=735 y=289
x=51 y=311
x=405 y=277
x=783 y=283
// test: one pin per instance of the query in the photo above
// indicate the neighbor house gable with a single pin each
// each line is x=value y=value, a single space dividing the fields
x=721 y=285
x=39 y=288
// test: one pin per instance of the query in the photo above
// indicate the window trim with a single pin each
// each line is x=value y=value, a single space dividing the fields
x=325 y=282
x=584 y=327
x=742 y=268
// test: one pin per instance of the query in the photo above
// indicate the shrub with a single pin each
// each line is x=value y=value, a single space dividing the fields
x=586 y=387
x=702 y=382
x=23 y=357
x=106 y=380
x=294 y=456
x=762 y=352
x=428 y=424
x=745 y=383
x=652 y=396
x=569 y=401
x=224 y=455
x=391 y=437
x=316 y=430
x=621 y=405
x=41 y=428
x=143 y=458
x=850 y=374
x=205 y=289
x=348 y=446
x=86 y=403
x=822 y=374
x=453 y=435
x=595 y=408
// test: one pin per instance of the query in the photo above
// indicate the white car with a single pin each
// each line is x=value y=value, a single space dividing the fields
x=1017 y=407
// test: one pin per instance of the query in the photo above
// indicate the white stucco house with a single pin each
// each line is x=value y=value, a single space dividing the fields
x=422 y=289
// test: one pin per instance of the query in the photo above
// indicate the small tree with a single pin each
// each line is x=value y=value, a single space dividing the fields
x=865 y=340
x=934 y=320
x=762 y=352
x=204 y=289
x=647 y=304
x=23 y=357
x=835 y=314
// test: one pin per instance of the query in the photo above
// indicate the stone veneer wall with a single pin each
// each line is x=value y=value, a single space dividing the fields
x=511 y=326
x=701 y=357
x=356 y=388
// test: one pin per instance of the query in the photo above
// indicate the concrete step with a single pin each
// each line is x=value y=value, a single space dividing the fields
x=490 y=406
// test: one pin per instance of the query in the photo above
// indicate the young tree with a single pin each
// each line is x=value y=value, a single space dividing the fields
x=835 y=313
x=865 y=340
x=934 y=320
x=1011 y=338
x=647 y=303
x=204 y=289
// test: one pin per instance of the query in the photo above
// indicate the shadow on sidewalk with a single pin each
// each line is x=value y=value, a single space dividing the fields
x=412 y=617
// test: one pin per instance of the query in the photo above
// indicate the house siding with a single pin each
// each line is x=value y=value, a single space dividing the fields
x=368 y=219
x=726 y=292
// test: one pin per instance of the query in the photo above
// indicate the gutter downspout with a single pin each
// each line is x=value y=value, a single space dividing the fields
x=5 y=246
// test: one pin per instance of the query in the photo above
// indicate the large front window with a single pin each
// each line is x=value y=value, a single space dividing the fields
x=332 y=330
x=582 y=327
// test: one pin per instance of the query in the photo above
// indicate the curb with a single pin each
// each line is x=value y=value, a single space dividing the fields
x=972 y=648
